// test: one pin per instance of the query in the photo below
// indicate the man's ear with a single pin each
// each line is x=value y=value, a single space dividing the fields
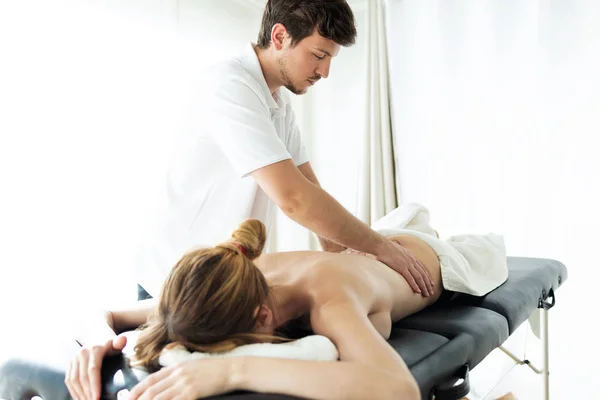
x=278 y=36
x=264 y=319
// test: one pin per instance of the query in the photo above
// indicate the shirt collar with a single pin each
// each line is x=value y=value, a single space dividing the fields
x=252 y=65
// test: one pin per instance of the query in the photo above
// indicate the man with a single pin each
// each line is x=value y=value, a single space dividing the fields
x=241 y=153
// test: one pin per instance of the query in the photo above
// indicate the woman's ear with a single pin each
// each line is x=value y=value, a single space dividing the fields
x=264 y=319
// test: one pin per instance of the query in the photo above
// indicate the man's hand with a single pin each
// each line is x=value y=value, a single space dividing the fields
x=83 y=375
x=189 y=380
x=404 y=262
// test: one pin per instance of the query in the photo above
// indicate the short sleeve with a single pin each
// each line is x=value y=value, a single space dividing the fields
x=241 y=125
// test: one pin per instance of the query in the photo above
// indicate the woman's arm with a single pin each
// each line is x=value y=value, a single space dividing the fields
x=132 y=316
x=99 y=326
x=96 y=334
x=368 y=367
x=320 y=380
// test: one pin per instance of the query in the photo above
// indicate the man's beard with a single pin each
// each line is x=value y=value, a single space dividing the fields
x=285 y=77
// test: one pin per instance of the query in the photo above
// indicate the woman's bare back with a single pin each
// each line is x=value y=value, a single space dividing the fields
x=382 y=293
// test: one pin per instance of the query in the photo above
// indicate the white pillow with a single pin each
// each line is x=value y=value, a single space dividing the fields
x=313 y=347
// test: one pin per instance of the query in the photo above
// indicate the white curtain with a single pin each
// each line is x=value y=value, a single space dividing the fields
x=377 y=193
x=496 y=120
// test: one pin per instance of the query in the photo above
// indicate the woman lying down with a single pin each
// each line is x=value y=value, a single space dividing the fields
x=216 y=299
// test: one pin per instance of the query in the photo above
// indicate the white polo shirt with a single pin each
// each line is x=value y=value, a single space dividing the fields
x=232 y=127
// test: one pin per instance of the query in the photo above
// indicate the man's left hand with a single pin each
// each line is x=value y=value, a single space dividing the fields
x=406 y=264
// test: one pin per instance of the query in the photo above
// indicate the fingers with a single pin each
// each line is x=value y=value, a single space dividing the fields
x=72 y=380
x=423 y=278
x=169 y=392
x=427 y=277
x=145 y=389
x=83 y=371
x=431 y=283
x=83 y=376
x=420 y=280
x=119 y=342
x=417 y=274
x=93 y=372
x=414 y=272
x=424 y=281
x=117 y=345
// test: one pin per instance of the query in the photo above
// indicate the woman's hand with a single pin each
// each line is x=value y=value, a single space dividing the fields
x=189 y=380
x=83 y=375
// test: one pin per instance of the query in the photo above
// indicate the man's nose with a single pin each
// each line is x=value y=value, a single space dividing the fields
x=323 y=68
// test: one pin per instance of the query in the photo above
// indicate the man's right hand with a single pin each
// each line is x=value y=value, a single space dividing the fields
x=83 y=375
x=404 y=262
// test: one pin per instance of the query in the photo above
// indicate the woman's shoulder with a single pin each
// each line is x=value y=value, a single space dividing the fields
x=322 y=274
x=338 y=283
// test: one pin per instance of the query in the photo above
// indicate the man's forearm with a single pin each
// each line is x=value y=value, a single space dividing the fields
x=330 y=246
x=319 y=379
x=318 y=211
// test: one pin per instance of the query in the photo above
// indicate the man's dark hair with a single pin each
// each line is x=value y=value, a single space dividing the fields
x=333 y=19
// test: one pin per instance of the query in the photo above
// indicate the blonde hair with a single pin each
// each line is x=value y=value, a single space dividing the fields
x=208 y=301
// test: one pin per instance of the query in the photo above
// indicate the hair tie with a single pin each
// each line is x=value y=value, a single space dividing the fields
x=239 y=246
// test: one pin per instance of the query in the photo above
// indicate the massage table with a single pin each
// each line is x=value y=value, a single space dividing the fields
x=440 y=344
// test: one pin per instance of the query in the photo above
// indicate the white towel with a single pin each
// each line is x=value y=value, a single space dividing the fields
x=472 y=264
x=313 y=347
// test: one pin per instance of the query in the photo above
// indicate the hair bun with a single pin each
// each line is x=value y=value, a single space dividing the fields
x=251 y=235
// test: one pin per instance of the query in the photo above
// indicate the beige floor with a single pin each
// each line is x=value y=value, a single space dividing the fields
x=508 y=396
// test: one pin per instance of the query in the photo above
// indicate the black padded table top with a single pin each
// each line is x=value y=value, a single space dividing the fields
x=471 y=333
x=529 y=281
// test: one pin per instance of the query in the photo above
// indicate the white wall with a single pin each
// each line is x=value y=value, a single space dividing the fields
x=496 y=116
x=89 y=95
